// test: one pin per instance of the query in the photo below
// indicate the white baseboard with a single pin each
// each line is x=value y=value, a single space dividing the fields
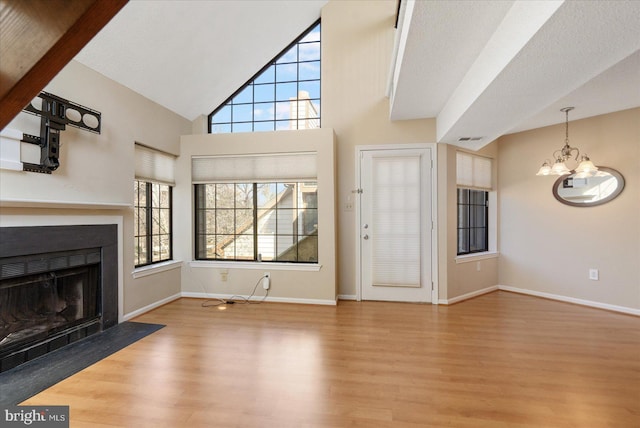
x=467 y=296
x=199 y=295
x=590 y=303
x=147 y=308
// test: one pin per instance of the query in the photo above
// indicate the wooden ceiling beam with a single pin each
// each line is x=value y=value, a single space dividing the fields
x=38 y=38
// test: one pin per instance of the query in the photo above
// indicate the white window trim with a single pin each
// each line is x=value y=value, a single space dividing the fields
x=154 y=268
x=477 y=256
x=303 y=267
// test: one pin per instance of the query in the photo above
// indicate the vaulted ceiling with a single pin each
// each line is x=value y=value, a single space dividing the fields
x=189 y=56
x=481 y=68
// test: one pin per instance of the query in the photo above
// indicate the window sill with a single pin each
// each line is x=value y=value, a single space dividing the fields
x=477 y=256
x=156 y=268
x=304 y=267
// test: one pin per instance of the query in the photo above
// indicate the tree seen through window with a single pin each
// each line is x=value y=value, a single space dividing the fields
x=257 y=221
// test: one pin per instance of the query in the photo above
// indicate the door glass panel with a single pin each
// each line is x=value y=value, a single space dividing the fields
x=396 y=215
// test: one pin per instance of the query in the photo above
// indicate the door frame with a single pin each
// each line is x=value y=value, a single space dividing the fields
x=434 y=211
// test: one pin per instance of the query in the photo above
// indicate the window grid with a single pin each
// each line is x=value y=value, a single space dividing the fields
x=152 y=223
x=473 y=215
x=257 y=105
x=276 y=231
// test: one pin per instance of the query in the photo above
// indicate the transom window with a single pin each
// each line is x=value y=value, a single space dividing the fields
x=274 y=221
x=285 y=94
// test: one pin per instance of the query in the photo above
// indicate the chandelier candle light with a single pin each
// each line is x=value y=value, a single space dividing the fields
x=586 y=168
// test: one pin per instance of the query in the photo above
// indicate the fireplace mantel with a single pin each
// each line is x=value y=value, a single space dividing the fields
x=35 y=203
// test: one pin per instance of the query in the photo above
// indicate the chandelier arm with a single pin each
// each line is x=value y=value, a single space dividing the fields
x=577 y=152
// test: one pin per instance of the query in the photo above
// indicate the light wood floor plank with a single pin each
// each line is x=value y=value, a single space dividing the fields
x=499 y=360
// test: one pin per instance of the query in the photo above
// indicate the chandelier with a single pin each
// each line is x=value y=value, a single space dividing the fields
x=586 y=168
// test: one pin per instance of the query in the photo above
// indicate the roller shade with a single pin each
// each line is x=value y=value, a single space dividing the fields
x=154 y=165
x=473 y=171
x=254 y=168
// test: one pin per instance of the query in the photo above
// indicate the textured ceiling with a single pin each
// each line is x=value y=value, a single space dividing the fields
x=498 y=67
x=481 y=68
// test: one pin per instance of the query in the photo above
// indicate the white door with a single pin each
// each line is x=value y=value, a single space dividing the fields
x=395 y=225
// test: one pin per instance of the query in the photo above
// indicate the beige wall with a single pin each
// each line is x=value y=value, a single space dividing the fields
x=548 y=247
x=96 y=171
x=290 y=285
x=357 y=41
x=463 y=276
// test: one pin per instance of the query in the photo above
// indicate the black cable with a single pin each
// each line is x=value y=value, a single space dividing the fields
x=207 y=303
x=243 y=300
x=246 y=300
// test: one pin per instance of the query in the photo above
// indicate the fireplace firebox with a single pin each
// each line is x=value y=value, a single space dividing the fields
x=58 y=284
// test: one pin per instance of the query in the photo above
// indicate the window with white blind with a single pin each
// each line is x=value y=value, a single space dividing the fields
x=474 y=182
x=152 y=206
x=261 y=207
x=154 y=165
x=473 y=172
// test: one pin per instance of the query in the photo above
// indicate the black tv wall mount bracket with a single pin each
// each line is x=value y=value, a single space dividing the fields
x=56 y=113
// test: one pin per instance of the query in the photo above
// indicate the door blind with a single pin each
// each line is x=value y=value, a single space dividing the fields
x=396 y=216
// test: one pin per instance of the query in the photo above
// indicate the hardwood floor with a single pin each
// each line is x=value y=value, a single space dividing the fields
x=499 y=360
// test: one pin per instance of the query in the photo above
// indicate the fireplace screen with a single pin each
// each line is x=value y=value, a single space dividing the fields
x=35 y=307
x=58 y=285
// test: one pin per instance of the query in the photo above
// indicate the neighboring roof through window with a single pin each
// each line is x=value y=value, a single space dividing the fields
x=284 y=94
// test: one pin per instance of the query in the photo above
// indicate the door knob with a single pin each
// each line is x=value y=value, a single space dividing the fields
x=365 y=226
x=365 y=237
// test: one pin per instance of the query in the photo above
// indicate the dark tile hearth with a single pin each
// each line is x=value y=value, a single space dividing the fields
x=28 y=379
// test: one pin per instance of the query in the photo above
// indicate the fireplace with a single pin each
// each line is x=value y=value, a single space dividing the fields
x=58 y=284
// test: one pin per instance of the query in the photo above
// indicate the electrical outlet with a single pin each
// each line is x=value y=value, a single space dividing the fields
x=266 y=280
x=223 y=275
x=594 y=275
x=348 y=205
x=478 y=266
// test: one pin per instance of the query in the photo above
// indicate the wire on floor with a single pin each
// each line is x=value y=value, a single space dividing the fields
x=238 y=299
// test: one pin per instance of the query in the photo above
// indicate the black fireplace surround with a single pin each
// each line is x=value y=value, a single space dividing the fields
x=58 y=284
